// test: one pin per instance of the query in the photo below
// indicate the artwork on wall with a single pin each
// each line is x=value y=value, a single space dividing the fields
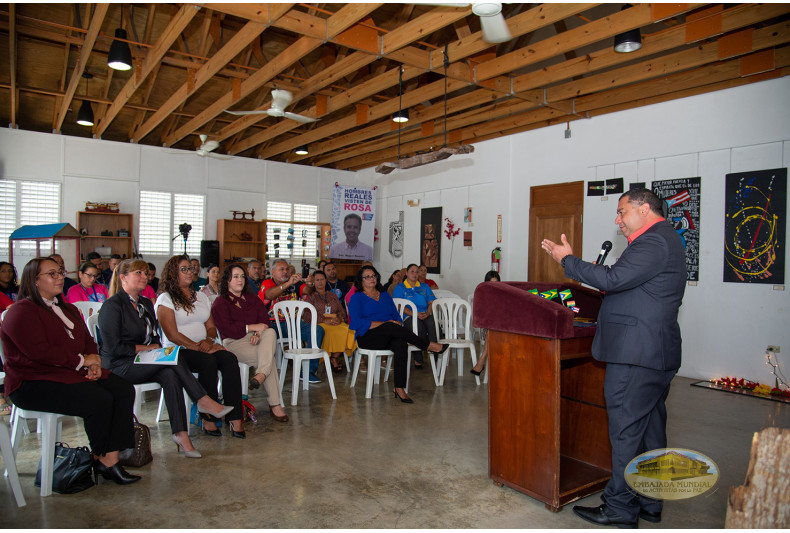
x=396 y=236
x=682 y=203
x=596 y=188
x=468 y=239
x=614 y=186
x=468 y=215
x=430 y=244
x=755 y=216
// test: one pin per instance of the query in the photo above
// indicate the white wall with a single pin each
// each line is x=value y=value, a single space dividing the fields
x=103 y=171
x=726 y=326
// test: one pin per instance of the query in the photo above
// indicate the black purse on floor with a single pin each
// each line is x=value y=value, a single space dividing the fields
x=72 y=471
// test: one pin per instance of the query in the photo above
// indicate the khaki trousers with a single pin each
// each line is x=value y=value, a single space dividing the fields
x=261 y=358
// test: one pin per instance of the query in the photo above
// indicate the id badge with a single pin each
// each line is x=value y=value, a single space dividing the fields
x=328 y=309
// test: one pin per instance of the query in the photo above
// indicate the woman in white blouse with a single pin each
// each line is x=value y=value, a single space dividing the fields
x=185 y=317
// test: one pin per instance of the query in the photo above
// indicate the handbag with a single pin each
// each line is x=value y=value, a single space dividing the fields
x=72 y=470
x=141 y=453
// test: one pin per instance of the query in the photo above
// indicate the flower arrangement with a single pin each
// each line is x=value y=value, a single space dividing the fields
x=756 y=388
x=451 y=232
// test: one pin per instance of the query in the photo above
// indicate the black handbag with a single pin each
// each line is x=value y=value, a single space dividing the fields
x=141 y=453
x=72 y=471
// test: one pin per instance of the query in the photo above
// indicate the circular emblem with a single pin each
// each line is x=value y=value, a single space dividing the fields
x=671 y=474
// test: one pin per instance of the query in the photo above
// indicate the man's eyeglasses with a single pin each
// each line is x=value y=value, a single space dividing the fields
x=54 y=274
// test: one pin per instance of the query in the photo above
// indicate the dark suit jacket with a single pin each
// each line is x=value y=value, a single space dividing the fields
x=121 y=329
x=638 y=320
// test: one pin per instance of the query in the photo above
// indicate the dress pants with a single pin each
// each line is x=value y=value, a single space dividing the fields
x=304 y=327
x=426 y=327
x=261 y=357
x=206 y=366
x=635 y=402
x=396 y=338
x=173 y=378
x=105 y=407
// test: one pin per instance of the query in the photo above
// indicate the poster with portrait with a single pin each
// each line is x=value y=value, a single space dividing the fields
x=353 y=223
x=430 y=239
x=755 y=217
x=682 y=200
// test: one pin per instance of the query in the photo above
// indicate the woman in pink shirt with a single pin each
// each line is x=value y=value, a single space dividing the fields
x=88 y=290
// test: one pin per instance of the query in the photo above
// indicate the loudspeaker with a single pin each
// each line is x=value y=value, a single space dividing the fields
x=209 y=253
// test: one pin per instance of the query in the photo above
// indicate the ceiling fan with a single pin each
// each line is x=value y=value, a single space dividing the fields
x=492 y=22
x=205 y=149
x=280 y=100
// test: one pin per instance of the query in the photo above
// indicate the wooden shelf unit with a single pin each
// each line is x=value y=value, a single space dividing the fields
x=96 y=222
x=232 y=247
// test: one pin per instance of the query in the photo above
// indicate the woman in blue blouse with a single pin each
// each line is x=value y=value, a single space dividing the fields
x=423 y=297
x=377 y=326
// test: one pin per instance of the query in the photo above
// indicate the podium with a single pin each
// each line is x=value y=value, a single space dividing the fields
x=547 y=423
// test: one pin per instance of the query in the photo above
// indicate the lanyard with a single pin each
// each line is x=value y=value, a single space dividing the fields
x=91 y=297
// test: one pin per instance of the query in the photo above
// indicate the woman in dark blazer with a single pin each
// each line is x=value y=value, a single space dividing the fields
x=128 y=325
x=51 y=365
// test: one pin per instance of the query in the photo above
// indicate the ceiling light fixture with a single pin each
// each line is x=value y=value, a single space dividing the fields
x=85 y=114
x=629 y=41
x=302 y=150
x=402 y=115
x=120 y=56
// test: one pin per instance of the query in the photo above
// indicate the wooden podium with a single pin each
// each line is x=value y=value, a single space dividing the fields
x=548 y=428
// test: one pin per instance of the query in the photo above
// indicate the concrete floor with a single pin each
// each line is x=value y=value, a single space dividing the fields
x=377 y=463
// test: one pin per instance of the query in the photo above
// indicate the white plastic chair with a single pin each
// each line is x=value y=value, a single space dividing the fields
x=293 y=310
x=51 y=425
x=451 y=313
x=88 y=309
x=93 y=324
x=9 y=459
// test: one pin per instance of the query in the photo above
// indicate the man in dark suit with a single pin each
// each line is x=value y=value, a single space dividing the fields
x=638 y=337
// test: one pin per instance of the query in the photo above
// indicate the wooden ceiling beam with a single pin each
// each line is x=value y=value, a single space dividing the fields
x=767 y=37
x=152 y=60
x=590 y=33
x=421 y=27
x=475 y=99
x=347 y=15
x=731 y=19
x=238 y=42
x=12 y=62
x=87 y=47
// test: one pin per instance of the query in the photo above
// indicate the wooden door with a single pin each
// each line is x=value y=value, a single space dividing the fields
x=553 y=210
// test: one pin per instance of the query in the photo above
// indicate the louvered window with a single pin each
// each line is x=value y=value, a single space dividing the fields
x=161 y=214
x=291 y=240
x=26 y=203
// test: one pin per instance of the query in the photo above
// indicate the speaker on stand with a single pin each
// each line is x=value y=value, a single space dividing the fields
x=209 y=253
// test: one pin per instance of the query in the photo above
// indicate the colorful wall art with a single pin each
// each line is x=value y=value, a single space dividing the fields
x=682 y=197
x=430 y=242
x=754 y=226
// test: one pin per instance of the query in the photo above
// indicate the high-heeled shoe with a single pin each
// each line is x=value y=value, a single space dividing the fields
x=283 y=418
x=213 y=432
x=115 y=473
x=193 y=454
x=444 y=349
x=238 y=434
x=254 y=384
x=475 y=372
x=224 y=411
x=404 y=400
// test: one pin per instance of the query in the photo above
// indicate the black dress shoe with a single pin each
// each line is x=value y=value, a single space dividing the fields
x=644 y=515
x=115 y=473
x=212 y=432
x=444 y=349
x=238 y=434
x=602 y=516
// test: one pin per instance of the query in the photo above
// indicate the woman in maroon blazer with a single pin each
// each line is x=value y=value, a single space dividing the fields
x=52 y=365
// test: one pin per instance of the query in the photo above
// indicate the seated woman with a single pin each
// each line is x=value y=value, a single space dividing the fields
x=491 y=275
x=51 y=365
x=128 y=326
x=185 y=316
x=243 y=322
x=87 y=290
x=211 y=288
x=377 y=326
x=423 y=298
x=8 y=282
x=394 y=281
x=422 y=272
x=331 y=317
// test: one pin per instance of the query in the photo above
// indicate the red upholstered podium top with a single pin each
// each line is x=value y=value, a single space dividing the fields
x=507 y=306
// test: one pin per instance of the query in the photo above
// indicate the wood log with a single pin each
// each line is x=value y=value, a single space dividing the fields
x=763 y=501
x=424 y=159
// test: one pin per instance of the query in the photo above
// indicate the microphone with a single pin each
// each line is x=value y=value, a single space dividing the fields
x=605 y=248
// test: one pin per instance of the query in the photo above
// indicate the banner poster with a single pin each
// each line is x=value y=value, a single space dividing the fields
x=353 y=223
x=682 y=197
x=755 y=216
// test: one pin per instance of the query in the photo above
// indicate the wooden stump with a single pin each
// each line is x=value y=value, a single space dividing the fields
x=764 y=499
